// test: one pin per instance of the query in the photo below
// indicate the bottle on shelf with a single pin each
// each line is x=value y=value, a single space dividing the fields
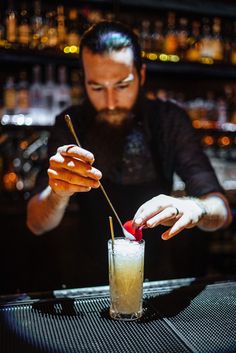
x=233 y=45
x=9 y=96
x=183 y=35
x=11 y=24
x=145 y=36
x=206 y=48
x=158 y=37
x=73 y=37
x=216 y=42
x=62 y=95
x=226 y=39
x=61 y=28
x=24 y=28
x=76 y=91
x=50 y=37
x=2 y=30
x=36 y=89
x=49 y=90
x=36 y=26
x=193 y=48
x=23 y=100
x=233 y=110
x=171 y=39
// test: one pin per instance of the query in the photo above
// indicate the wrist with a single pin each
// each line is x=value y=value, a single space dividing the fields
x=61 y=200
x=202 y=205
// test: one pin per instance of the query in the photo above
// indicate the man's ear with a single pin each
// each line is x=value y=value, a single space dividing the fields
x=143 y=74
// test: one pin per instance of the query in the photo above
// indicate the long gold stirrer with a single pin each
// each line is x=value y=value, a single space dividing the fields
x=72 y=130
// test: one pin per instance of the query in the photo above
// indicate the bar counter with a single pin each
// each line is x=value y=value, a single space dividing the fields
x=183 y=315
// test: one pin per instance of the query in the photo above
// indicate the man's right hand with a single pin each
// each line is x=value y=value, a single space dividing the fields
x=70 y=170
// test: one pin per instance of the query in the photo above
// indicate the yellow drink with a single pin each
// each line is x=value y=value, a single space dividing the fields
x=126 y=263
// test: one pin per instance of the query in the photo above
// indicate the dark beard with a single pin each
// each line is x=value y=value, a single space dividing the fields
x=107 y=141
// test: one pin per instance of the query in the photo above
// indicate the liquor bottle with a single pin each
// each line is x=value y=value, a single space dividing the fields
x=206 y=49
x=171 y=40
x=216 y=42
x=24 y=35
x=36 y=26
x=2 y=30
x=73 y=37
x=62 y=96
x=158 y=37
x=36 y=89
x=52 y=32
x=233 y=110
x=49 y=89
x=9 y=95
x=227 y=41
x=76 y=91
x=145 y=36
x=61 y=29
x=23 y=101
x=193 y=50
x=182 y=36
x=11 y=24
x=233 y=45
x=222 y=111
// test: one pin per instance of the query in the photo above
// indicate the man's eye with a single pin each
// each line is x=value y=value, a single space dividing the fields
x=123 y=86
x=94 y=88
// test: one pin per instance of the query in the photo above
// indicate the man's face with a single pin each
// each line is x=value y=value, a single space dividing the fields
x=112 y=84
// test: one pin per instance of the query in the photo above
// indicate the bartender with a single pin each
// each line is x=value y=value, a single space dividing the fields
x=134 y=145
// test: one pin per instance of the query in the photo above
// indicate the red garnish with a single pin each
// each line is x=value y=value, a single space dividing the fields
x=137 y=233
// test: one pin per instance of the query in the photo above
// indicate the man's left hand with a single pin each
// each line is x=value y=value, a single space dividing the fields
x=178 y=213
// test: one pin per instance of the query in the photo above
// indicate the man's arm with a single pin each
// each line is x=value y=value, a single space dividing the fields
x=70 y=170
x=217 y=213
x=45 y=211
x=210 y=213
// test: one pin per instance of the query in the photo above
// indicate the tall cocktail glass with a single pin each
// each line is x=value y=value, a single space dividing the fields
x=126 y=265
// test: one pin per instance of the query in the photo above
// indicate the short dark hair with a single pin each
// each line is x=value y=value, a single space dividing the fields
x=107 y=36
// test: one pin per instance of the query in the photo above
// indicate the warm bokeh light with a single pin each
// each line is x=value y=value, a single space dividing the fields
x=163 y=57
x=207 y=61
x=152 y=56
x=208 y=140
x=9 y=181
x=24 y=144
x=196 y=124
x=73 y=49
x=224 y=141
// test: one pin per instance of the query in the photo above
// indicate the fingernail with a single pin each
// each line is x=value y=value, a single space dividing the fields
x=138 y=221
x=150 y=224
x=165 y=236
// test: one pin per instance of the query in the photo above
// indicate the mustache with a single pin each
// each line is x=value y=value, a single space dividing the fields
x=117 y=111
x=114 y=117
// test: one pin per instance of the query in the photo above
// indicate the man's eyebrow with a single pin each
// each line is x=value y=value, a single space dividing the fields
x=127 y=79
x=90 y=82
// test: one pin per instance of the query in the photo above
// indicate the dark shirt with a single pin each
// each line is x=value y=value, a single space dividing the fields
x=161 y=142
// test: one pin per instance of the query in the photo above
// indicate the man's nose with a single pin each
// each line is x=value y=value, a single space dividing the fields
x=111 y=99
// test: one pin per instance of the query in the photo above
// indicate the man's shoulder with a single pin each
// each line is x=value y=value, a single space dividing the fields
x=165 y=112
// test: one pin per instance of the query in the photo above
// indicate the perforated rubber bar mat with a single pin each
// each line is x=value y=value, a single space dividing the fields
x=186 y=318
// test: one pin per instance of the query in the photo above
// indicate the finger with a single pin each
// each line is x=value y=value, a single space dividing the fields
x=63 y=188
x=147 y=211
x=184 y=222
x=75 y=165
x=167 y=214
x=72 y=178
x=77 y=152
